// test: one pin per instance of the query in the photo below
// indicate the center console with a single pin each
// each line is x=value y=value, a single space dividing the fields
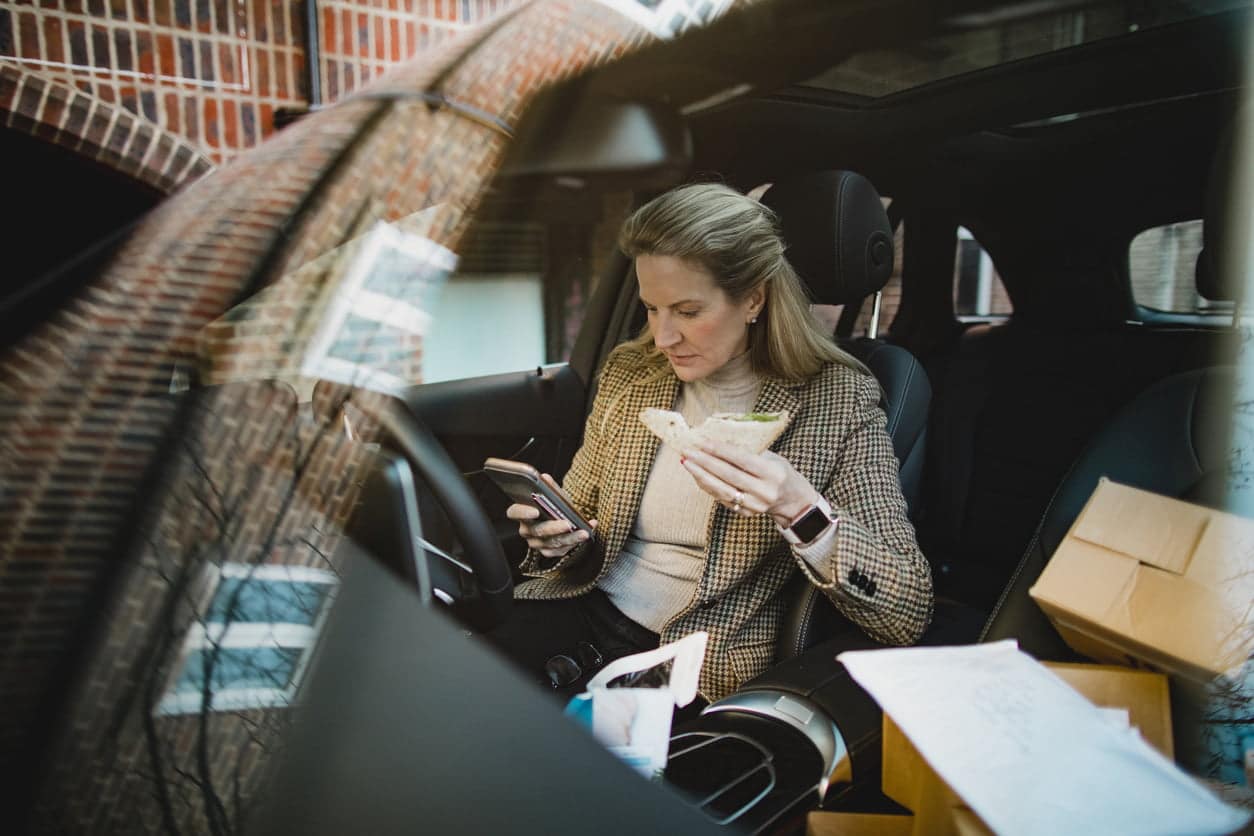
x=802 y=735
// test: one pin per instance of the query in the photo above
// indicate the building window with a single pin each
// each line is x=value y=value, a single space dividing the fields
x=372 y=332
x=252 y=642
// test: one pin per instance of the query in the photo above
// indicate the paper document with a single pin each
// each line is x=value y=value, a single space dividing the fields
x=1026 y=752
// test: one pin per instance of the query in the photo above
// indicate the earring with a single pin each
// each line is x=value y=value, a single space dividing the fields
x=754 y=320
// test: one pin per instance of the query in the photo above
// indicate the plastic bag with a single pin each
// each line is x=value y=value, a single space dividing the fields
x=629 y=703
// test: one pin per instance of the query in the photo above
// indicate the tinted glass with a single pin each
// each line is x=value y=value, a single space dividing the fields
x=522 y=285
x=1161 y=266
x=978 y=289
x=985 y=40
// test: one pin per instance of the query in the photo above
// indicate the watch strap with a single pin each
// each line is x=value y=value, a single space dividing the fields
x=799 y=531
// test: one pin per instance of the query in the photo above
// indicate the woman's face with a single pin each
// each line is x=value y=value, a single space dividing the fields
x=694 y=323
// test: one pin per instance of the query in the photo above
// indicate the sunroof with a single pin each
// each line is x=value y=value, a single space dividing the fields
x=1005 y=34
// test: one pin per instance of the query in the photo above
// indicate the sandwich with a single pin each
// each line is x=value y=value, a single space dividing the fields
x=752 y=432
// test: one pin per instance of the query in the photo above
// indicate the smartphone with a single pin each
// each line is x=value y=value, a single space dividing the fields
x=521 y=482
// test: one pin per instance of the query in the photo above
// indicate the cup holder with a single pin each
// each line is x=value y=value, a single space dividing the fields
x=754 y=759
x=725 y=774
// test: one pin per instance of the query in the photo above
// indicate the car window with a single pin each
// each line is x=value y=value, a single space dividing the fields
x=522 y=285
x=398 y=309
x=1161 y=264
x=489 y=316
x=978 y=290
x=980 y=41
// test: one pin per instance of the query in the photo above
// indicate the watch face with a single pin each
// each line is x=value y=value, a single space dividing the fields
x=811 y=525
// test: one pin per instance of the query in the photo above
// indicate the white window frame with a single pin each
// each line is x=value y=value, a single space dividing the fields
x=668 y=18
x=205 y=636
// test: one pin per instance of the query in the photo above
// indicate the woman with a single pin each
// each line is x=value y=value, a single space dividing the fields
x=705 y=539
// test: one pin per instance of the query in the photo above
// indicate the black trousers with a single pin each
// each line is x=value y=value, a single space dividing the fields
x=538 y=631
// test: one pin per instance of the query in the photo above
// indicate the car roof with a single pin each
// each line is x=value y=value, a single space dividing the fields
x=1170 y=84
x=1065 y=155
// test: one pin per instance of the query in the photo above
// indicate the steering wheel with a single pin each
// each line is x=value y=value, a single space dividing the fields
x=482 y=551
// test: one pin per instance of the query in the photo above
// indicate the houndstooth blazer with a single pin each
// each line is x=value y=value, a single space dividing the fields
x=836 y=439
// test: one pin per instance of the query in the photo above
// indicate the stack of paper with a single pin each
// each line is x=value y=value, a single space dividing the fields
x=1027 y=753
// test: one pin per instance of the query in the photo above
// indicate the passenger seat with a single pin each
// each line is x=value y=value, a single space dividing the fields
x=1184 y=437
x=840 y=242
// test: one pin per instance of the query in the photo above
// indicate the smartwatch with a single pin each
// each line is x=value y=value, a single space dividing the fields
x=810 y=524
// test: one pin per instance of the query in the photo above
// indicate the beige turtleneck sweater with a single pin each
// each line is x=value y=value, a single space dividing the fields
x=656 y=574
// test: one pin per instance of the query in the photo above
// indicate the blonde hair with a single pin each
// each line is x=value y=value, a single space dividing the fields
x=736 y=240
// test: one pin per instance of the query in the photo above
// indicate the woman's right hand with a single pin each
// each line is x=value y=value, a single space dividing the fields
x=551 y=538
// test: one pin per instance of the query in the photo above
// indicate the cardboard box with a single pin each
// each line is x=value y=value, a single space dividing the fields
x=1145 y=580
x=1143 y=694
x=912 y=783
x=821 y=823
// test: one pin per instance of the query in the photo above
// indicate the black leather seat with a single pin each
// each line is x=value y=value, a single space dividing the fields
x=840 y=242
x=1174 y=439
x=1179 y=437
x=1184 y=437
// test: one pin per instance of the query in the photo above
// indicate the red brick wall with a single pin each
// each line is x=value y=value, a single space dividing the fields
x=104 y=132
x=85 y=405
x=212 y=72
x=361 y=39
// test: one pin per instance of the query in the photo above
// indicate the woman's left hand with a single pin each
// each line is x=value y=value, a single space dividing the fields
x=748 y=483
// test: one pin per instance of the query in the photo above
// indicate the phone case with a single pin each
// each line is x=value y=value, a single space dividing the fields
x=521 y=482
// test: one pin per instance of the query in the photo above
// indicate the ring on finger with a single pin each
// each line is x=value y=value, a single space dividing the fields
x=737 y=501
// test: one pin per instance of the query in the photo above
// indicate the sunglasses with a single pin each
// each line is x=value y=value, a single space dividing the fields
x=566 y=669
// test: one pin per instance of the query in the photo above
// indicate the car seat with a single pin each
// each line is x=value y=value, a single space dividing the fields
x=840 y=242
x=1173 y=439
x=1185 y=437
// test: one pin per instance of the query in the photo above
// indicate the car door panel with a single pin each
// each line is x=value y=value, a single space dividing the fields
x=535 y=416
x=538 y=414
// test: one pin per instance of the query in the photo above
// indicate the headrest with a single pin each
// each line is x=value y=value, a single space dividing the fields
x=838 y=236
x=1226 y=220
